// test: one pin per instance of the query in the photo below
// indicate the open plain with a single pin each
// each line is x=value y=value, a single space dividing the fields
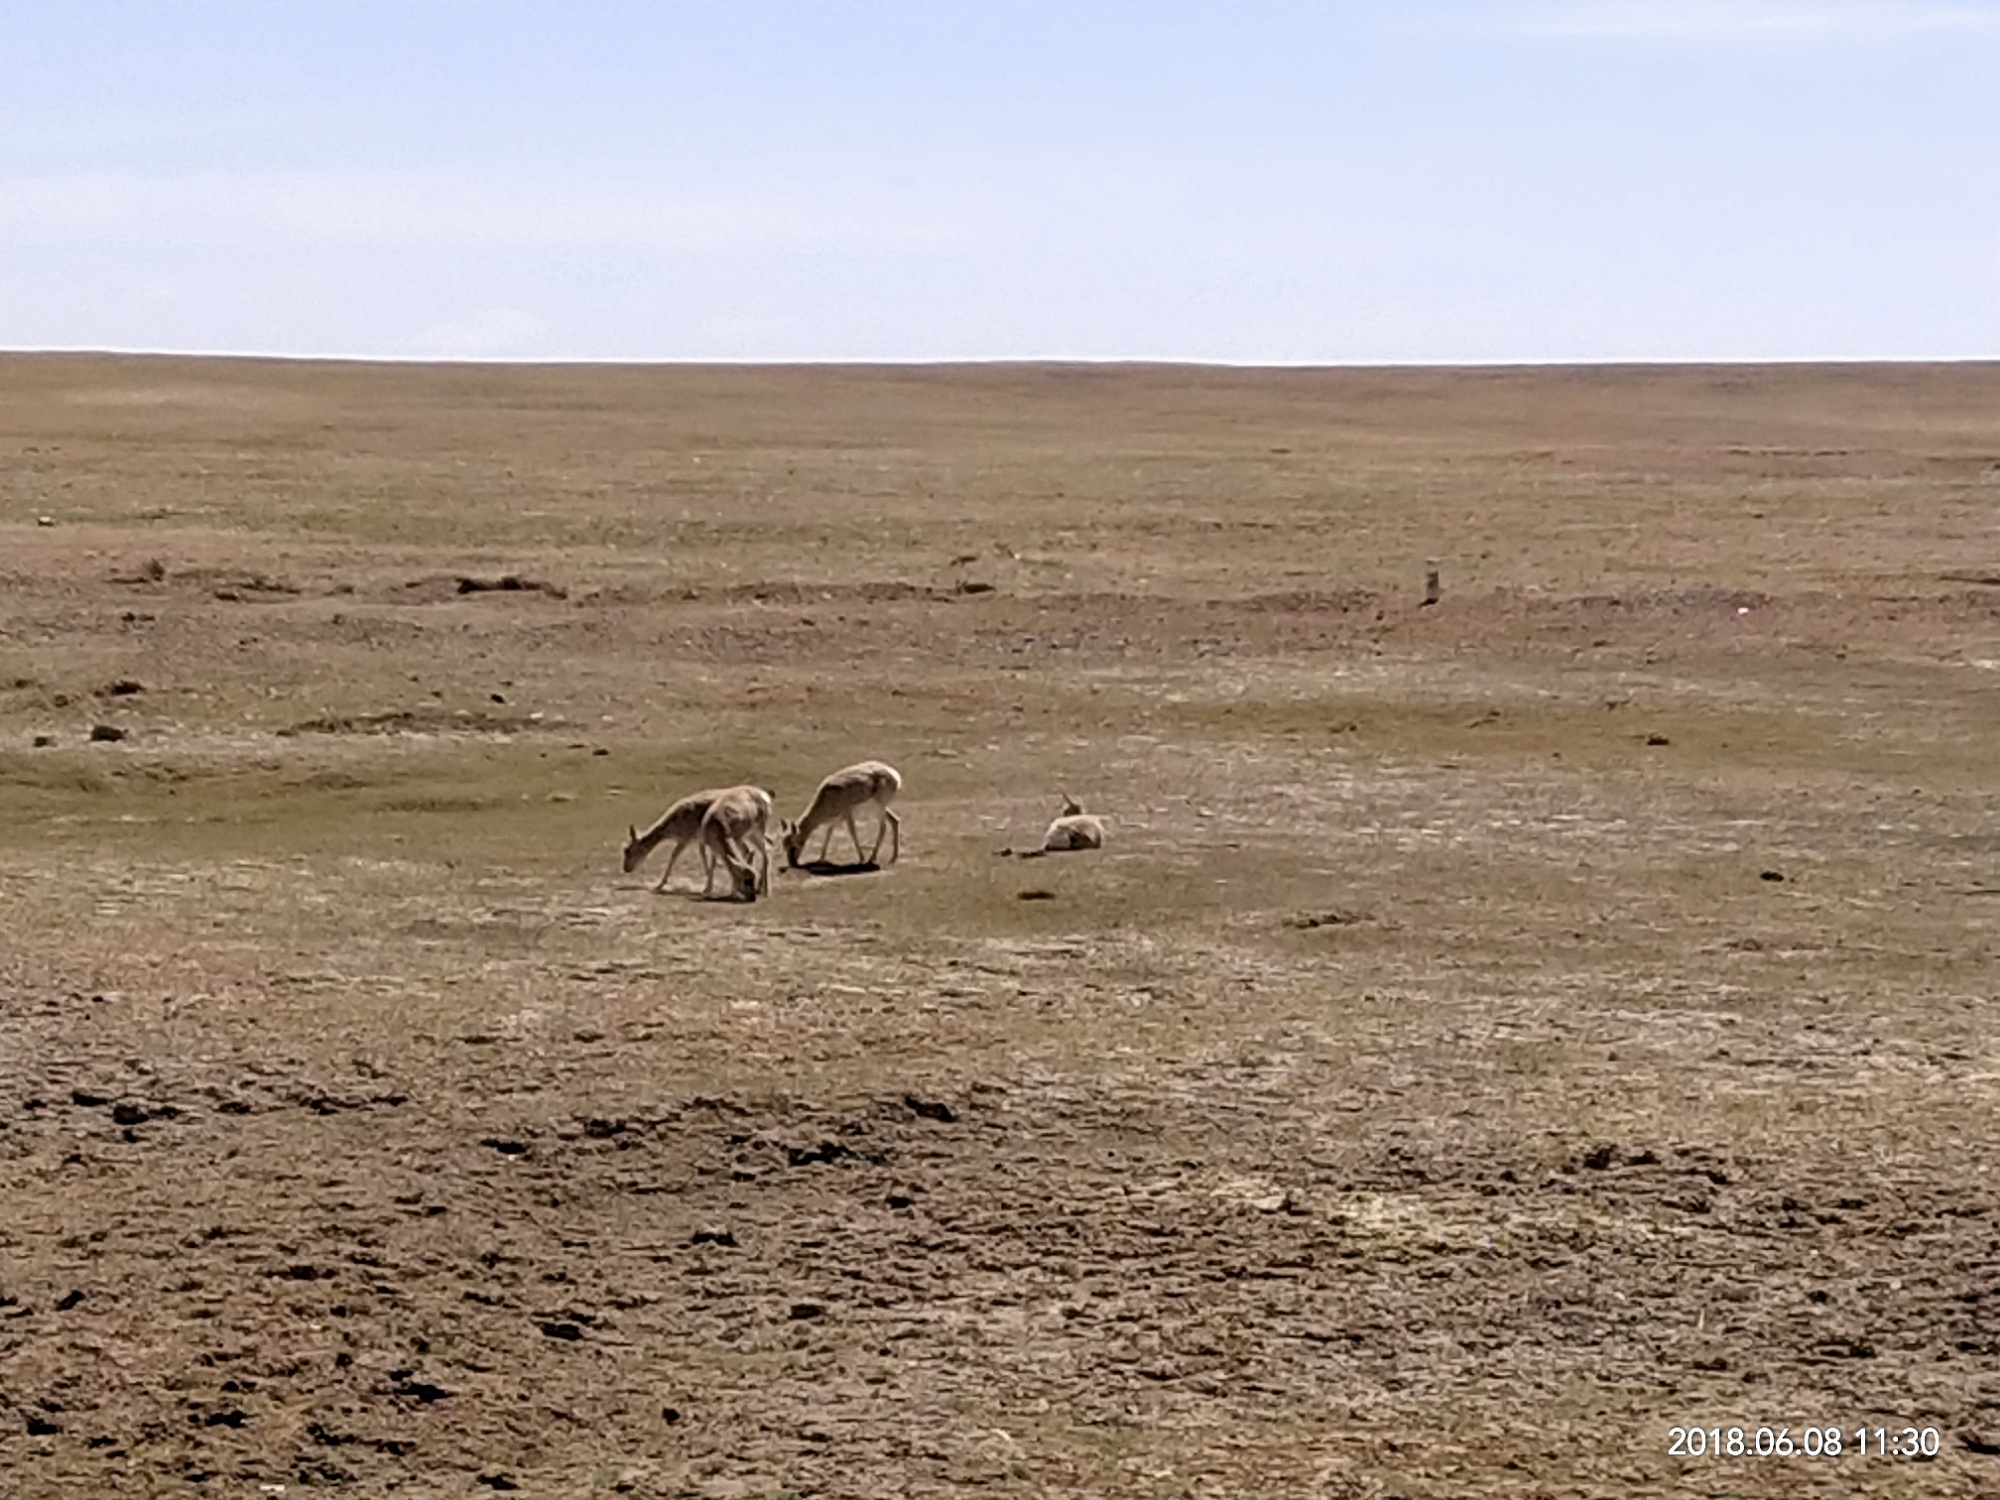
x=1495 y=1033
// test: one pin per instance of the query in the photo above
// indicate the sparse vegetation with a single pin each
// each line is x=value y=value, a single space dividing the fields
x=1422 y=1092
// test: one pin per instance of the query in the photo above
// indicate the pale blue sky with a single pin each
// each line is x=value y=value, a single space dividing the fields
x=1242 y=180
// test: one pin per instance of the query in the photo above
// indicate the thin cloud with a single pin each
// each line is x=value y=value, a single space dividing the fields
x=1742 y=20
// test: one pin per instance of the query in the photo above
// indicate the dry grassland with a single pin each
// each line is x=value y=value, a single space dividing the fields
x=1430 y=1091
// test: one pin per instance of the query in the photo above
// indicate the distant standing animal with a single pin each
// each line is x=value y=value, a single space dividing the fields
x=1075 y=829
x=838 y=799
x=736 y=832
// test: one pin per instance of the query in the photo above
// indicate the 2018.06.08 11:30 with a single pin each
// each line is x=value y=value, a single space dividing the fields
x=1811 y=1442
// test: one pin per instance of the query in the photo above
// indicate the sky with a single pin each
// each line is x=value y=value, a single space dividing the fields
x=1241 y=181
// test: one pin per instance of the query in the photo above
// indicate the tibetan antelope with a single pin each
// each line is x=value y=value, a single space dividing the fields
x=736 y=832
x=682 y=824
x=838 y=799
x=1075 y=829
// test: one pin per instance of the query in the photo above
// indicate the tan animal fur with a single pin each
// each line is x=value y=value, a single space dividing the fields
x=681 y=823
x=736 y=832
x=839 y=797
x=1075 y=829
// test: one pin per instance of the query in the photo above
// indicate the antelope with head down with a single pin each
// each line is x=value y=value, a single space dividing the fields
x=736 y=833
x=839 y=798
x=684 y=823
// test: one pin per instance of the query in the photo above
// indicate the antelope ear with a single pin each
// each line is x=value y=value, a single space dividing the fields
x=631 y=833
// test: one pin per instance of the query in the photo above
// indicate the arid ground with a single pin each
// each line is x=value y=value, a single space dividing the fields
x=1496 y=1033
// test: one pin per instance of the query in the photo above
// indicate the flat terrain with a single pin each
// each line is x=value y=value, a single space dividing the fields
x=1495 y=1034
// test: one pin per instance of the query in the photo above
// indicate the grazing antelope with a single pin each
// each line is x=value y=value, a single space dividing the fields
x=682 y=824
x=1075 y=829
x=736 y=832
x=838 y=799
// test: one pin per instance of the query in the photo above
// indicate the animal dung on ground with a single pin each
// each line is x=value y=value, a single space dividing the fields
x=509 y=583
x=106 y=733
x=1035 y=895
x=1308 y=921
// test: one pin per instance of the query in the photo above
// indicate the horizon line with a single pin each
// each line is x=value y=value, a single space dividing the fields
x=989 y=361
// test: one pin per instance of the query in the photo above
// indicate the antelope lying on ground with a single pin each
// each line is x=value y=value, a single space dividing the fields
x=838 y=799
x=736 y=832
x=1075 y=829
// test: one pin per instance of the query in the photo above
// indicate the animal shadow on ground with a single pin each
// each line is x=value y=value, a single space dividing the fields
x=828 y=867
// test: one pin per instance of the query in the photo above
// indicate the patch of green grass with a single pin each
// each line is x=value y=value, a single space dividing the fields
x=442 y=803
x=22 y=775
